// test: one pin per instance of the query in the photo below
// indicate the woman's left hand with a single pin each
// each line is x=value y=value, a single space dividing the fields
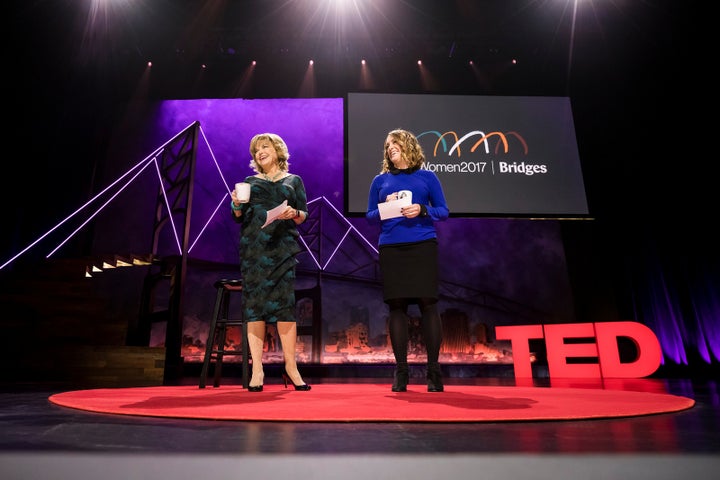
x=289 y=213
x=411 y=211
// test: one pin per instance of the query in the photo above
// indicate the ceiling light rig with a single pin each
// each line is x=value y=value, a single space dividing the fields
x=470 y=68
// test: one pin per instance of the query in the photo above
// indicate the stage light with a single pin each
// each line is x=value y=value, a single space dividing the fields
x=362 y=61
x=311 y=63
x=254 y=63
x=149 y=64
x=419 y=62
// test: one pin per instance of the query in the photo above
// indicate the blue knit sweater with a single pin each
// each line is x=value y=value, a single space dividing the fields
x=426 y=190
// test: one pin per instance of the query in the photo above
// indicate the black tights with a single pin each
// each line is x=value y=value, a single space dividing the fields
x=398 y=326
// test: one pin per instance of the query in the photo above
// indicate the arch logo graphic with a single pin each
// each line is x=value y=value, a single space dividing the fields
x=501 y=145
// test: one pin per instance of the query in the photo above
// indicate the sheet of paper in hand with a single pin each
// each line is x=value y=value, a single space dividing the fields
x=273 y=214
x=392 y=208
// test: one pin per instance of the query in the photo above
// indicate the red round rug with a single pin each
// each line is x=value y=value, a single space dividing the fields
x=331 y=402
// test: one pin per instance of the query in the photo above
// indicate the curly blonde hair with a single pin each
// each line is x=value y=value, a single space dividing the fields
x=280 y=148
x=411 y=151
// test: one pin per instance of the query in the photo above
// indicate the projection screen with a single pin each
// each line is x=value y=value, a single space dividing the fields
x=496 y=156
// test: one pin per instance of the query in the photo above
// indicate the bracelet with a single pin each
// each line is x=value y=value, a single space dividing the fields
x=297 y=213
x=235 y=208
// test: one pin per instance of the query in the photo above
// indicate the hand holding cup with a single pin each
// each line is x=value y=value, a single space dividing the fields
x=242 y=192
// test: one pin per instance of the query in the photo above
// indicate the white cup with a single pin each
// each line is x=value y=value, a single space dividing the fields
x=405 y=194
x=242 y=191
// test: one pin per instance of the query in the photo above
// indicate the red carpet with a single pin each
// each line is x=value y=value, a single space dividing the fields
x=373 y=403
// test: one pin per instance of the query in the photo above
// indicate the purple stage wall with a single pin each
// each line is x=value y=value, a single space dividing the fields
x=493 y=271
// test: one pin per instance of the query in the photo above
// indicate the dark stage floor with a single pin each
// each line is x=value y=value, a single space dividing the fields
x=41 y=440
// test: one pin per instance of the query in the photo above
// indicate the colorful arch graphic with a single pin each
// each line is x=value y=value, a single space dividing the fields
x=484 y=139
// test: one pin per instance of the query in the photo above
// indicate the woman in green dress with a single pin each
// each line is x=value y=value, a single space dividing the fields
x=267 y=253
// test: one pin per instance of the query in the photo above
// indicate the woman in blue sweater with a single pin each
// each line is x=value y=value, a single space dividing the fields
x=409 y=250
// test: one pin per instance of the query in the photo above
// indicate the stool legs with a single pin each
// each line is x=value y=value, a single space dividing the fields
x=215 y=345
x=221 y=335
x=210 y=344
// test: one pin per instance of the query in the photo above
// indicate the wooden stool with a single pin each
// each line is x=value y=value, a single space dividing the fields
x=215 y=345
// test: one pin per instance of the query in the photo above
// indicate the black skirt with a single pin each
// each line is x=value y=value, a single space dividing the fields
x=409 y=270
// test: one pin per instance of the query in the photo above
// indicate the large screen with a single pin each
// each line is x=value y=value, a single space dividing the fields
x=495 y=156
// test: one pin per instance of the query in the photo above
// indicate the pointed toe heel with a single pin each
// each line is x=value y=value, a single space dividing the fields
x=300 y=388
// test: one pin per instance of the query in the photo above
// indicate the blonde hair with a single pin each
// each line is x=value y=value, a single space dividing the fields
x=410 y=150
x=280 y=148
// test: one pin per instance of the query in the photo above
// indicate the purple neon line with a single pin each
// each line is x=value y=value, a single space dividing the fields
x=208 y=222
x=98 y=210
x=217 y=165
x=347 y=232
x=307 y=247
x=162 y=186
x=167 y=205
x=311 y=253
x=350 y=225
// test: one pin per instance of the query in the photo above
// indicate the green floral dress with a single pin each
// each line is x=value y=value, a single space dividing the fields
x=267 y=255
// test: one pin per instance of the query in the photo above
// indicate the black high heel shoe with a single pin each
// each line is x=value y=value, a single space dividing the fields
x=402 y=377
x=257 y=388
x=302 y=388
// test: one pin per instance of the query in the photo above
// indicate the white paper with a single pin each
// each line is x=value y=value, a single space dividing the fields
x=392 y=208
x=273 y=214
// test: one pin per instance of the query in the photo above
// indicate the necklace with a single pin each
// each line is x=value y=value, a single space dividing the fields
x=277 y=175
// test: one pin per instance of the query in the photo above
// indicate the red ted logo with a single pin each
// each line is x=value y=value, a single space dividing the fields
x=604 y=348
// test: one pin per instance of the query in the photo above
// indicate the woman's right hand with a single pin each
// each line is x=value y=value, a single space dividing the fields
x=236 y=203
